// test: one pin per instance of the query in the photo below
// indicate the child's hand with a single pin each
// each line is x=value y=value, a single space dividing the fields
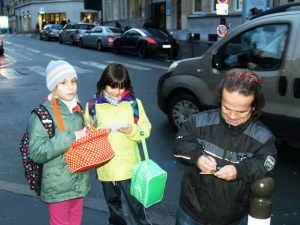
x=125 y=129
x=80 y=134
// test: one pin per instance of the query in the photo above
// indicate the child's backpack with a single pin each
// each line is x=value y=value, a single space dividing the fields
x=33 y=171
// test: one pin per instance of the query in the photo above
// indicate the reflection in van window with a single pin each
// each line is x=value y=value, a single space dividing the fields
x=261 y=48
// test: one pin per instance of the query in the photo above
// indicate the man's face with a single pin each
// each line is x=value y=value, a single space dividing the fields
x=236 y=108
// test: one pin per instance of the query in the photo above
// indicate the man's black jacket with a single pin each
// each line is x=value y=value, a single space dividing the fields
x=249 y=147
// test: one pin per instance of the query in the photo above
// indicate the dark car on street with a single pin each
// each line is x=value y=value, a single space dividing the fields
x=146 y=42
x=50 y=31
x=100 y=37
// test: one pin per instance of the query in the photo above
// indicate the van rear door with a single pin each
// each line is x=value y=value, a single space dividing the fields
x=293 y=93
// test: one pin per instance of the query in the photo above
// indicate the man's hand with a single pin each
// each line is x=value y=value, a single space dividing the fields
x=205 y=165
x=227 y=173
x=125 y=129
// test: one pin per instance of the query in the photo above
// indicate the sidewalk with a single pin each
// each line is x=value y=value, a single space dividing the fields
x=19 y=205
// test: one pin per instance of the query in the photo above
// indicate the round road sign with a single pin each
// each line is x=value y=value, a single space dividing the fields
x=222 y=30
x=222 y=1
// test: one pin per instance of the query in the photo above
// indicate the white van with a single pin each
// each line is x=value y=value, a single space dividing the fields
x=270 y=45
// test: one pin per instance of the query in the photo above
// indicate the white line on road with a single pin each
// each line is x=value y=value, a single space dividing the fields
x=33 y=50
x=151 y=65
x=53 y=56
x=94 y=64
x=37 y=69
x=7 y=43
x=81 y=70
x=9 y=73
x=130 y=65
x=20 y=46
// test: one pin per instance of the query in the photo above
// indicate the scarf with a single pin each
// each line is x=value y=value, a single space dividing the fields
x=112 y=101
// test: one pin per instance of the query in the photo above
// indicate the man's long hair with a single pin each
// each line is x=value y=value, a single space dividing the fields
x=245 y=88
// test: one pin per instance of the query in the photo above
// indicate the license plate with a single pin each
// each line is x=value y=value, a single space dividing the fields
x=166 y=46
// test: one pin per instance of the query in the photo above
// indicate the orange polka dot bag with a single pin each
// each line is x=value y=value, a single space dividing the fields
x=87 y=152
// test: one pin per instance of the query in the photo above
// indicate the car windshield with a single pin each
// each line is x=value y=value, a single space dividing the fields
x=114 y=30
x=57 y=27
x=85 y=26
x=157 y=33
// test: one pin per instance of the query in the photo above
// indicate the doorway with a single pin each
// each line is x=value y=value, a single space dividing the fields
x=158 y=15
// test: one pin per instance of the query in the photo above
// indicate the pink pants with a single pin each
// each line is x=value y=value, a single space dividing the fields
x=66 y=212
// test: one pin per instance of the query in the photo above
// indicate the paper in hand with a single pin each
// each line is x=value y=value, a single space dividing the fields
x=115 y=126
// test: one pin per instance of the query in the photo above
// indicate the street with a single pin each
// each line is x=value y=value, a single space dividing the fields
x=23 y=88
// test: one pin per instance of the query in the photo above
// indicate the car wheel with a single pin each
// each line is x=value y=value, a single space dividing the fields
x=41 y=38
x=143 y=51
x=116 y=47
x=180 y=108
x=99 y=45
x=80 y=43
x=72 y=42
x=60 y=40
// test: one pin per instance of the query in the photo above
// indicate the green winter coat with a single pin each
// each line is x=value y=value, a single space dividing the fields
x=121 y=165
x=58 y=183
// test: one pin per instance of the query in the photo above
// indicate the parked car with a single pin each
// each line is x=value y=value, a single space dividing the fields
x=1 y=46
x=72 y=32
x=50 y=31
x=146 y=42
x=100 y=37
x=269 y=45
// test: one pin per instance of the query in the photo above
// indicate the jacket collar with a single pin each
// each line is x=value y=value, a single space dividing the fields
x=125 y=98
x=235 y=130
x=60 y=102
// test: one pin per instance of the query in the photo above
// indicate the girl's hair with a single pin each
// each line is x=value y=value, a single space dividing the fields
x=116 y=76
x=54 y=93
x=245 y=88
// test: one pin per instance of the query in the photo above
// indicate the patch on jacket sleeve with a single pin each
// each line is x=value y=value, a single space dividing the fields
x=269 y=163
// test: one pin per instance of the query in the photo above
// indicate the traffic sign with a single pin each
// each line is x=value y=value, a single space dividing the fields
x=42 y=11
x=222 y=9
x=222 y=30
x=222 y=1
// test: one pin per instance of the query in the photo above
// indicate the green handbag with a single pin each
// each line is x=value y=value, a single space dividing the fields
x=148 y=179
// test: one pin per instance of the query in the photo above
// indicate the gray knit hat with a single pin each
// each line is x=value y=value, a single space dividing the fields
x=57 y=71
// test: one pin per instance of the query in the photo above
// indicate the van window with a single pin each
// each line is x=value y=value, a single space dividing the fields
x=261 y=48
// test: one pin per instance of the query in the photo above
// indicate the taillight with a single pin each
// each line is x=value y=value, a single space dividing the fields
x=0 y=41
x=177 y=41
x=51 y=31
x=78 y=31
x=111 y=38
x=111 y=43
x=150 y=40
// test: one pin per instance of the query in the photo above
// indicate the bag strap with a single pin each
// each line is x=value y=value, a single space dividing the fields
x=45 y=122
x=57 y=115
x=144 y=147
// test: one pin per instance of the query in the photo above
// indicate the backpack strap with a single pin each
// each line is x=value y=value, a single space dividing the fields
x=136 y=113
x=46 y=119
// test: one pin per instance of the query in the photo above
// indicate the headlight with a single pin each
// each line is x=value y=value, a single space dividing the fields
x=173 y=66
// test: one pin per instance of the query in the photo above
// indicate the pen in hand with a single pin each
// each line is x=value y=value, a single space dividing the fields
x=203 y=152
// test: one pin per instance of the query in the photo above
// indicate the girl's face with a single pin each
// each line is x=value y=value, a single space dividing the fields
x=114 y=92
x=67 y=89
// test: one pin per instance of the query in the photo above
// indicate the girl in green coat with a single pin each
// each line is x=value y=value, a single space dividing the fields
x=114 y=97
x=62 y=191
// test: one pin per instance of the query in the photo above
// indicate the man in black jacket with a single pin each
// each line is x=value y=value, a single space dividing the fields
x=224 y=150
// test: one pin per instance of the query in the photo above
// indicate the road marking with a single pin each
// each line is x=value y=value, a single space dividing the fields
x=7 y=43
x=33 y=50
x=9 y=73
x=81 y=70
x=20 y=46
x=94 y=64
x=53 y=56
x=130 y=65
x=151 y=65
x=37 y=69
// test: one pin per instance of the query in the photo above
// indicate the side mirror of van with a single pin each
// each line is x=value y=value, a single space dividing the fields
x=216 y=61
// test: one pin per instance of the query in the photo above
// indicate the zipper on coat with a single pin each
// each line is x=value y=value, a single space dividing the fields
x=219 y=180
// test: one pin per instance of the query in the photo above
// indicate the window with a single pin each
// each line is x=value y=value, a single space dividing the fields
x=239 y=5
x=108 y=9
x=261 y=48
x=115 y=9
x=214 y=6
x=197 y=6
x=122 y=9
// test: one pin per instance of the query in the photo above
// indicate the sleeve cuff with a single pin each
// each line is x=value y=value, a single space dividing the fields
x=195 y=155
x=240 y=171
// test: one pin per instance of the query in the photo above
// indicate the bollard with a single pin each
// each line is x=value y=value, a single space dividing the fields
x=171 y=50
x=193 y=45
x=260 y=203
